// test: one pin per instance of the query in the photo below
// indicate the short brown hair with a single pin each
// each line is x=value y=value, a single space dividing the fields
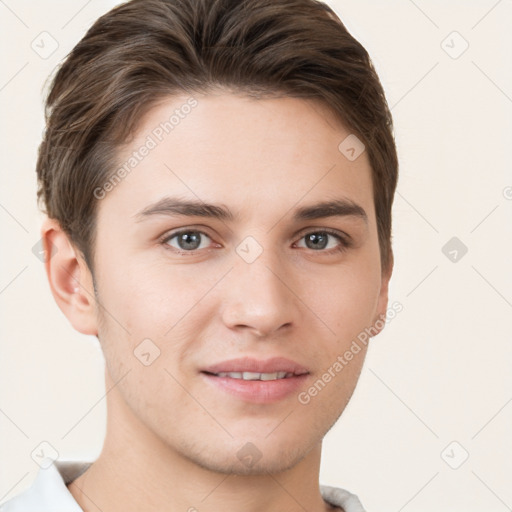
x=144 y=50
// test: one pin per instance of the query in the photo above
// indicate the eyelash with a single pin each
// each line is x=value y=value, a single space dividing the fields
x=344 y=243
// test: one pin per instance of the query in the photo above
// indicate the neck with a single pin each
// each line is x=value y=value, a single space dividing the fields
x=137 y=471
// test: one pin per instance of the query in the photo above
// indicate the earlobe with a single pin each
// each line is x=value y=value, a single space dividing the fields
x=69 y=277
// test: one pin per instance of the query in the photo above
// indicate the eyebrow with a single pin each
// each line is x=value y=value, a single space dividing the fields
x=174 y=206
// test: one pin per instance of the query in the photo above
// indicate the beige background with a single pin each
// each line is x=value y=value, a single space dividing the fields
x=440 y=371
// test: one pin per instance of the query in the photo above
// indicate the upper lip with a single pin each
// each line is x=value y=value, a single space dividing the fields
x=249 y=364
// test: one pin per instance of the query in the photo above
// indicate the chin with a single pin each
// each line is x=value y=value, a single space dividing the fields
x=249 y=457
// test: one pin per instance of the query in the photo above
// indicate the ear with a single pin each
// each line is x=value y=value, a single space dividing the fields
x=379 y=321
x=70 y=279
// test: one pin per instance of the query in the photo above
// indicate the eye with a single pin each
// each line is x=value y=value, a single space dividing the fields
x=191 y=240
x=188 y=240
x=325 y=241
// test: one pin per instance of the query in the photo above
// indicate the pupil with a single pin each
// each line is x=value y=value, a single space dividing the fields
x=187 y=241
x=317 y=240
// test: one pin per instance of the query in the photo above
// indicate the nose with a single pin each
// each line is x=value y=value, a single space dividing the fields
x=258 y=297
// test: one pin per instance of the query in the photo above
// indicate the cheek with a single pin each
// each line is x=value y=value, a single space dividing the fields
x=343 y=302
x=139 y=295
x=153 y=301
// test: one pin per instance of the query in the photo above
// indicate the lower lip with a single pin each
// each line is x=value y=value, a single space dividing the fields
x=258 y=391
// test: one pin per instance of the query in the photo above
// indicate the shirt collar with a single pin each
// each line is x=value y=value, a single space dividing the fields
x=48 y=492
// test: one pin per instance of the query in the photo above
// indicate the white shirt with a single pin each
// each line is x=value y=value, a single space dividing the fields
x=48 y=492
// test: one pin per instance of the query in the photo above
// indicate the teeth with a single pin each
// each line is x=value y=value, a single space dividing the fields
x=254 y=375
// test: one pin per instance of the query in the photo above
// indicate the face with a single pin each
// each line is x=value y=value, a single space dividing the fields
x=253 y=268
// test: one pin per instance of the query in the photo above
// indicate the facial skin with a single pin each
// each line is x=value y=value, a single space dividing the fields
x=172 y=439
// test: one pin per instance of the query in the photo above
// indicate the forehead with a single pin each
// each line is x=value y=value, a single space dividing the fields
x=258 y=155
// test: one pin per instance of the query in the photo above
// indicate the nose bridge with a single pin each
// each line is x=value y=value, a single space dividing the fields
x=257 y=294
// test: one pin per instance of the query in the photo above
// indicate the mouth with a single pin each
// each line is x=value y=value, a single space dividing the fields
x=257 y=381
x=250 y=368
x=255 y=375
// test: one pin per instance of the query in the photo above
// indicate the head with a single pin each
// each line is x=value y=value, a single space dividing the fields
x=245 y=109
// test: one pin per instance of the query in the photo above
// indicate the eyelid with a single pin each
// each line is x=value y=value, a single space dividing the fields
x=345 y=240
x=167 y=236
x=345 y=237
